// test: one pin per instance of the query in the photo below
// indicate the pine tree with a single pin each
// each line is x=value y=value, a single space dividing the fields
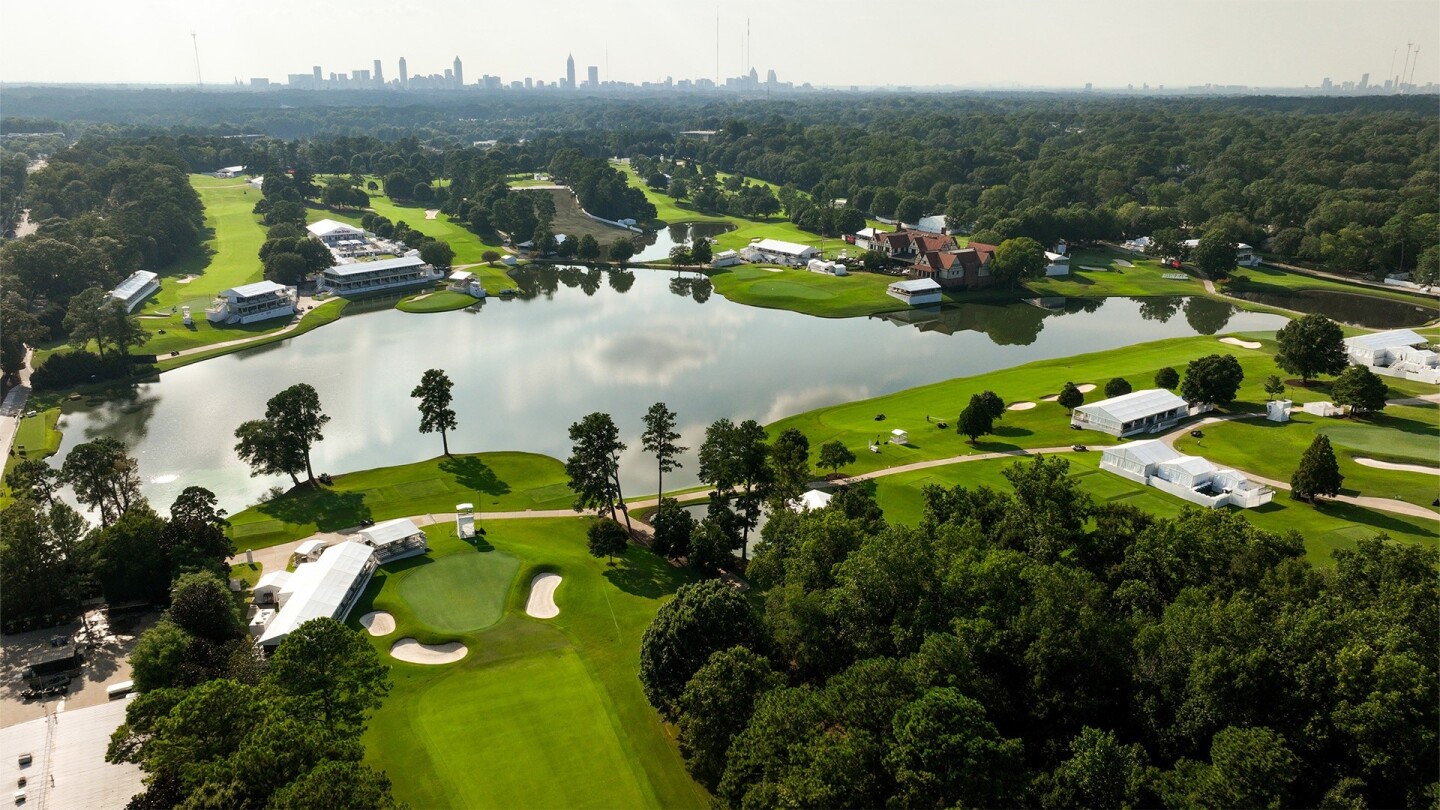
x=1318 y=473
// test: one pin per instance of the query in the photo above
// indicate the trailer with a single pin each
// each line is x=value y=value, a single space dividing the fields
x=52 y=666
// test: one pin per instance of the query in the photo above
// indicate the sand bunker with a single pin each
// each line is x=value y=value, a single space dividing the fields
x=1244 y=344
x=378 y=623
x=1093 y=267
x=542 y=596
x=412 y=651
x=1020 y=406
x=1085 y=388
x=1390 y=465
x=432 y=213
x=1123 y=263
x=1051 y=398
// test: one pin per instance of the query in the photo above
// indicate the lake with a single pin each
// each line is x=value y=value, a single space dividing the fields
x=1369 y=311
x=578 y=341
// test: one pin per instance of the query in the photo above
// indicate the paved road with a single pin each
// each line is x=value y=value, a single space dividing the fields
x=12 y=410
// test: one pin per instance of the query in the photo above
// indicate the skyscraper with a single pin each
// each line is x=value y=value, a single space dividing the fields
x=404 y=74
x=593 y=73
x=318 y=77
x=459 y=74
x=379 y=76
x=570 y=71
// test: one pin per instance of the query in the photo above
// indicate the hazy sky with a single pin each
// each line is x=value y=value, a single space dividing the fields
x=839 y=42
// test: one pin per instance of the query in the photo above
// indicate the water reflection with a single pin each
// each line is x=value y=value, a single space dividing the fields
x=526 y=369
x=1356 y=310
x=656 y=246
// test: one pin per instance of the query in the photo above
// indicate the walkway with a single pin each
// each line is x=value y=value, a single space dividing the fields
x=266 y=337
x=12 y=410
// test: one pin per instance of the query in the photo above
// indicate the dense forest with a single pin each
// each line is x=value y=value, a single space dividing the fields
x=1040 y=649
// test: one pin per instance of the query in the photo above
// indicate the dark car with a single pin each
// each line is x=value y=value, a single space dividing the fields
x=1199 y=434
x=1079 y=448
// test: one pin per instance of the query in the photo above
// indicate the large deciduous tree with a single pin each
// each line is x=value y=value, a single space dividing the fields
x=1070 y=397
x=103 y=477
x=1167 y=378
x=703 y=618
x=435 y=411
x=1361 y=389
x=733 y=461
x=1213 y=379
x=834 y=455
x=606 y=538
x=659 y=440
x=975 y=420
x=673 y=527
x=1311 y=346
x=281 y=442
x=789 y=467
x=1018 y=259
x=716 y=705
x=1215 y=254
x=332 y=673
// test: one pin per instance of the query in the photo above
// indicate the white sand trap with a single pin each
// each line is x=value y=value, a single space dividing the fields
x=411 y=651
x=1020 y=406
x=378 y=623
x=542 y=596
x=1390 y=465
x=1244 y=344
x=1123 y=263
x=432 y=213
x=1085 y=388
x=1093 y=267
x=1051 y=398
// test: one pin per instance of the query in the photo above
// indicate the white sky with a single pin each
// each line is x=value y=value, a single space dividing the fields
x=840 y=42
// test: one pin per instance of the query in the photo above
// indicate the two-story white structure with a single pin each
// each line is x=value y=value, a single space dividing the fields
x=778 y=251
x=1244 y=254
x=1401 y=353
x=132 y=291
x=917 y=292
x=1157 y=464
x=725 y=258
x=359 y=278
x=249 y=303
x=332 y=233
x=1148 y=410
x=1057 y=264
x=395 y=540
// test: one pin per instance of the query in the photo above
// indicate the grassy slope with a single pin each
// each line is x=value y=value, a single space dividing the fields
x=540 y=713
x=37 y=437
x=1275 y=280
x=1047 y=425
x=502 y=481
x=855 y=295
x=322 y=314
x=443 y=301
x=1325 y=528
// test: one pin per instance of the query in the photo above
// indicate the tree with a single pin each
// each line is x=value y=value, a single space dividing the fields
x=948 y=754
x=160 y=656
x=1167 y=378
x=103 y=477
x=1359 y=388
x=40 y=569
x=1101 y=772
x=1214 y=379
x=1215 y=254
x=702 y=619
x=437 y=254
x=733 y=461
x=712 y=543
x=490 y=257
x=994 y=405
x=716 y=705
x=202 y=606
x=607 y=539
x=94 y=315
x=1070 y=397
x=701 y=252
x=873 y=260
x=673 y=525
x=127 y=561
x=1318 y=473
x=1311 y=346
x=789 y=468
x=621 y=250
x=659 y=440
x=1018 y=259
x=1249 y=767
x=33 y=478
x=298 y=423
x=260 y=446
x=975 y=420
x=435 y=411
x=332 y=674
x=588 y=250
x=285 y=268
x=1117 y=386
x=337 y=783
x=1274 y=387
x=910 y=209
x=594 y=464
x=834 y=455
x=679 y=256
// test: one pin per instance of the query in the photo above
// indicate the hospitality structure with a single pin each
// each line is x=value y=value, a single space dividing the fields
x=359 y=278
x=778 y=251
x=1401 y=353
x=132 y=291
x=1148 y=410
x=325 y=588
x=249 y=303
x=1195 y=479
x=915 y=291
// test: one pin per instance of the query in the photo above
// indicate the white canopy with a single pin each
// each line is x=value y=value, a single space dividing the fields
x=324 y=588
x=391 y=531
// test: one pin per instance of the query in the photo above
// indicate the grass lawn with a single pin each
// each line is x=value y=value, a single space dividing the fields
x=1144 y=278
x=1325 y=528
x=443 y=301
x=1276 y=280
x=540 y=713
x=1046 y=425
x=37 y=437
x=802 y=291
x=459 y=593
x=1406 y=434
x=321 y=315
x=503 y=481
x=572 y=222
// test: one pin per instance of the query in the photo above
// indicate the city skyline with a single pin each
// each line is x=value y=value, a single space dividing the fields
x=1107 y=43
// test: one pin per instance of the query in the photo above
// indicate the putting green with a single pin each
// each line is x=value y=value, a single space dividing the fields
x=546 y=719
x=1377 y=439
x=460 y=593
x=789 y=289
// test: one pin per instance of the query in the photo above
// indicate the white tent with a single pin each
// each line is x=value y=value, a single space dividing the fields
x=898 y=436
x=811 y=500
x=327 y=587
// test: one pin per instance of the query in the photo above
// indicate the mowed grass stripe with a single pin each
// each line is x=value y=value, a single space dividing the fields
x=537 y=735
x=459 y=593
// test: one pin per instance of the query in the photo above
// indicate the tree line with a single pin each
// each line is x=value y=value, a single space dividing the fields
x=1042 y=649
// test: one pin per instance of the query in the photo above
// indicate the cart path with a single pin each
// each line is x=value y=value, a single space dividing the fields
x=266 y=336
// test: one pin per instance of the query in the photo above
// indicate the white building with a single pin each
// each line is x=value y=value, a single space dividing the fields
x=1244 y=254
x=332 y=233
x=1156 y=464
x=725 y=258
x=465 y=281
x=935 y=223
x=248 y=303
x=916 y=292
x=465 y=520
x=229 y=172
x=778 y=251
x=1057 y=264
x=811 y=500
x=309 y=551
x=1150 y=409
x=327 y=587
x=1399 y=353
x=267 y=590
x=827 y=268
x=394 y=540
x=132 y=291
x=359 y=278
